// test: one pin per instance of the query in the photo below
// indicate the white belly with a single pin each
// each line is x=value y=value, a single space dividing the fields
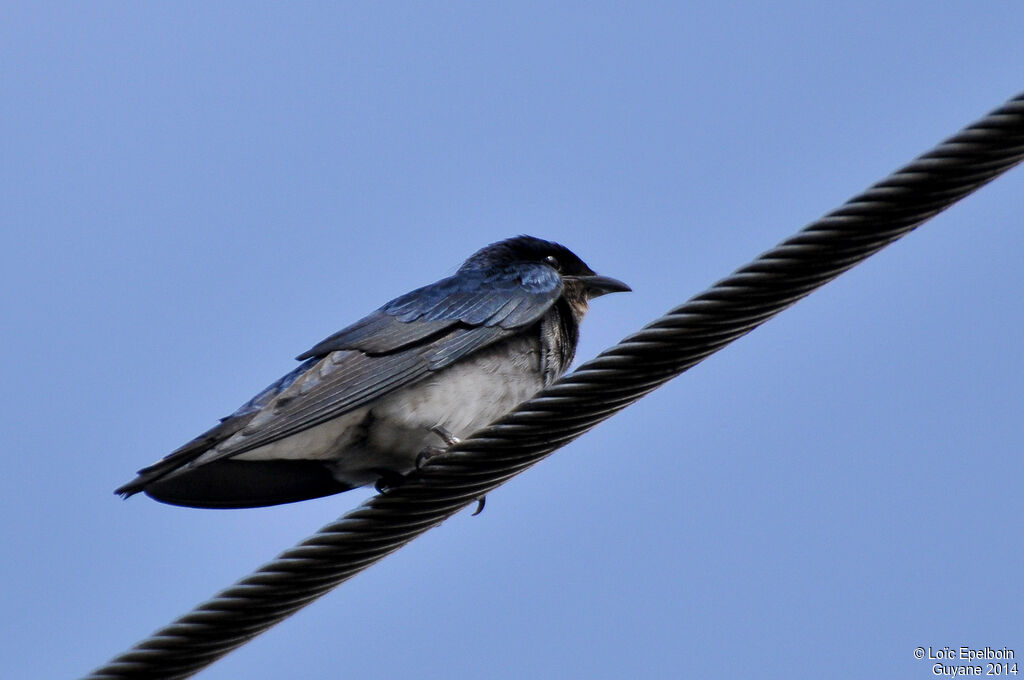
x=389 y=434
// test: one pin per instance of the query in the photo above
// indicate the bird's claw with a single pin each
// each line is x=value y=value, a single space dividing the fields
x=480 y=503
x=426 y=454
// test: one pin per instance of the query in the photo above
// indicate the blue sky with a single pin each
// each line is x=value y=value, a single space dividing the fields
x=193 y=193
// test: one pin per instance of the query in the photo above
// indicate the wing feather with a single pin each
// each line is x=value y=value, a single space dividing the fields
x=397 y=345
x=378 y=333
x=352 y=380
x=515 y=298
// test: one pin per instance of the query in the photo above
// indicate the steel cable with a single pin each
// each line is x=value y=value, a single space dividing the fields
x=580 y=400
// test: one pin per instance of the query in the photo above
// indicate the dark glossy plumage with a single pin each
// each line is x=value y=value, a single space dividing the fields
x=358 y=408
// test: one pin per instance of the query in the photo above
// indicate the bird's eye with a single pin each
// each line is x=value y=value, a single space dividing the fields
x=553 y=261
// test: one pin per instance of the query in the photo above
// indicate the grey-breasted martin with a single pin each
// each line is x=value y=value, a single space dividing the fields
x=427 y=368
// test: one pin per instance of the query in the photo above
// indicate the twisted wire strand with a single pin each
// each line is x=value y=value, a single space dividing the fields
x=595 y=391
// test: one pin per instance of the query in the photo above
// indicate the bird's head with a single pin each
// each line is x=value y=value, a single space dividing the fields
x=527 y=255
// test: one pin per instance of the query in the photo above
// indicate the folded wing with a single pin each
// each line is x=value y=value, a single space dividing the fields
x=399 y=344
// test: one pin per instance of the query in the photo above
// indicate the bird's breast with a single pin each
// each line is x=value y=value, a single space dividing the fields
x=460 y=398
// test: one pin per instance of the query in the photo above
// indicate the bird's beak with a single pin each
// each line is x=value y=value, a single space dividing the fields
x=596 y=285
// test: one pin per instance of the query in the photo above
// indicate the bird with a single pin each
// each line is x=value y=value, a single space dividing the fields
x=370 y=403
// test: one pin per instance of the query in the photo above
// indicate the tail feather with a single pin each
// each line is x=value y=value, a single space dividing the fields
x=184 y=455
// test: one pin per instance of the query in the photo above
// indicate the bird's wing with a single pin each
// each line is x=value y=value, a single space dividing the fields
x=346 y=380
x=401 y=343
x=509 y=299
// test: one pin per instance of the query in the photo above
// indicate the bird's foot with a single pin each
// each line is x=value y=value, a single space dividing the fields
x=388 y=480
x=429 y=452
x=446 y=435
x=426 y=454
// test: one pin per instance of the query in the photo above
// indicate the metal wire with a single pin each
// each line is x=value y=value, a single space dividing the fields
x=579 y=401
